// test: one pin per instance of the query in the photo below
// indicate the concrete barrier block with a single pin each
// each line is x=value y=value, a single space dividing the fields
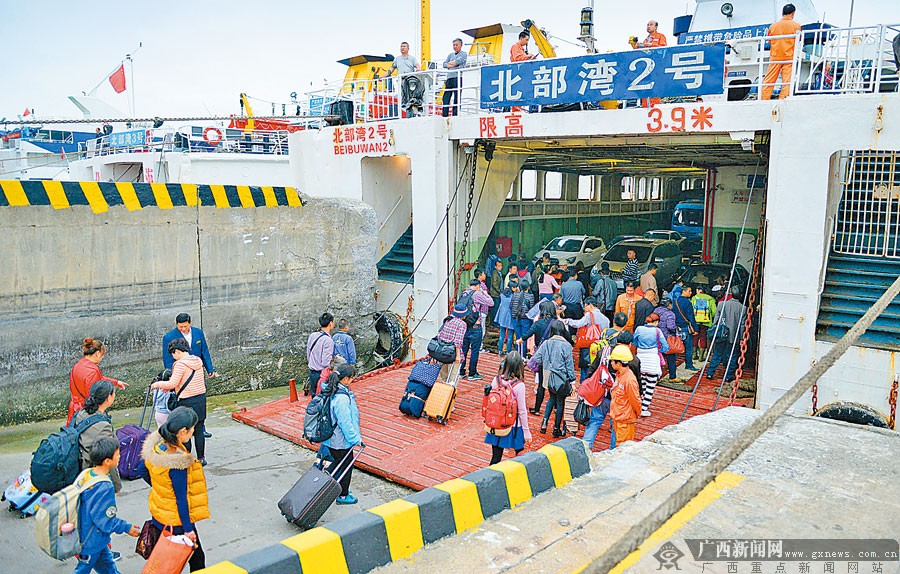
x=579 y=462
x=365 y=541
x=517 y=484
x=275 y=559
x=435 y=512
x=540 y=476
x=492 y=492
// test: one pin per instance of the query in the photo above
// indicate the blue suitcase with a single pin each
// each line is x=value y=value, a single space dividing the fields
x=413 y=401
x=23 y=498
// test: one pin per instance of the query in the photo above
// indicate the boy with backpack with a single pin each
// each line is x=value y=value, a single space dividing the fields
x=97 y=519
x=521 y=302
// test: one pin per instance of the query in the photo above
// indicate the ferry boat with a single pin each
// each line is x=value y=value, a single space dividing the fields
x=802 y=192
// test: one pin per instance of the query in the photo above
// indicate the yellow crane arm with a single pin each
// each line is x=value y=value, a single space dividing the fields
x=541 y=41
x=251 y=123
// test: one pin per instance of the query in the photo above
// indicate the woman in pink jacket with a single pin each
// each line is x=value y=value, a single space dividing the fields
x=512 y=372
x=189 y=383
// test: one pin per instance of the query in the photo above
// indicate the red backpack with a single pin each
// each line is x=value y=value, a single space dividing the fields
x=499 y=408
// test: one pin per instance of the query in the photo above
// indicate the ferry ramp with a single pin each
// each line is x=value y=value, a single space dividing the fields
x=419 y=453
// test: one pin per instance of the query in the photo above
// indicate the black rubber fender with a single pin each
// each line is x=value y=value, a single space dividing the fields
x=850 y=412
x=393 y=338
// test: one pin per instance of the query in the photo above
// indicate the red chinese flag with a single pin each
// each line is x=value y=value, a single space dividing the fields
x=117 y=79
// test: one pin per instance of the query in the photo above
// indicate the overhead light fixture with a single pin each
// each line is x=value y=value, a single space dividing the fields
x=727 y=9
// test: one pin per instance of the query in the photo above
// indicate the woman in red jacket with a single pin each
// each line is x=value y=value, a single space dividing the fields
x=85 y=373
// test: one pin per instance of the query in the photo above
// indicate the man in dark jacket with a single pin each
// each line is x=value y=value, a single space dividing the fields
x=728 y=330
x=495 y=287
x=687 y=326
x=644 y=307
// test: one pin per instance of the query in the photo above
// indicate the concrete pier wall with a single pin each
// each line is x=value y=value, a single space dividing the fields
x=254 y=278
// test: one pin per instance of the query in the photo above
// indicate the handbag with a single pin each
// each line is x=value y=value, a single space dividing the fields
x=168 y=556
x=146 y=540
x=676 y=345
x=172 y=400
x=425 y=372
x=442 y=351
x=588 y=334
x=690 y=329
x=582 y=414
x=593 y=389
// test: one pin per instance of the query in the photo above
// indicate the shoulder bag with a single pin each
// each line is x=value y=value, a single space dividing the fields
x=172 y=401
x=690 y=328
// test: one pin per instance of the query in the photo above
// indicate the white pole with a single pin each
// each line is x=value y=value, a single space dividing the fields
x=131 y=69
x=852 y=4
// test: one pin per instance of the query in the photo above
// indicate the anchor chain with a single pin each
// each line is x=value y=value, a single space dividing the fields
x=815 y=398
x=751 y=303
x=468 y=227
x=892 y=400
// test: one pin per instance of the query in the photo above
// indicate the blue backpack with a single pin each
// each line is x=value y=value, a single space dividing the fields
x=57 y=461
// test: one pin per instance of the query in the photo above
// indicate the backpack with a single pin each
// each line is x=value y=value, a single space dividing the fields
x=57 y=461
x=59 y=509
x=701 y=310
x=472 y=315
x=317 y=424
x=499 y=408
x=605 y=342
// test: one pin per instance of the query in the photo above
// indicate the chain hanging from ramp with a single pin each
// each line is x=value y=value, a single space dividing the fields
x=468 y=227
x=756 y=281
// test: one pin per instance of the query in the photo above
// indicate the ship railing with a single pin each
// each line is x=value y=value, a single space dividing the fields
x=383 y=99
x=195 y=139
x=860 y=59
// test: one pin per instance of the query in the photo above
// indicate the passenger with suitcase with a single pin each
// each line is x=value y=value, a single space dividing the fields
x=178 y=498
x=345 y=414
x=511 y=379
x=101 y=397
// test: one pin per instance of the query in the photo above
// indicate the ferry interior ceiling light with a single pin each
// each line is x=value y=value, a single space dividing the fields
x=728 y=9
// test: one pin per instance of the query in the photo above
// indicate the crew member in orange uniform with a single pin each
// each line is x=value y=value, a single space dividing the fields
x=781 y=53
x=654 y=39
x=519 y=50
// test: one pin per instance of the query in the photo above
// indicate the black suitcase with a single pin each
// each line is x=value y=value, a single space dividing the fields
x=312 y=495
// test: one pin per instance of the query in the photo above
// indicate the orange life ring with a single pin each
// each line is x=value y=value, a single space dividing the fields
x=212 y=141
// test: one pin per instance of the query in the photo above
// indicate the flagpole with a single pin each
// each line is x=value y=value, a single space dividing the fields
x=131 y=69
x=106 y=77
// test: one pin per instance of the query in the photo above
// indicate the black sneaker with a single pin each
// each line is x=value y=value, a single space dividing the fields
x=116 y=556
x=475 y=377
x=207 y=434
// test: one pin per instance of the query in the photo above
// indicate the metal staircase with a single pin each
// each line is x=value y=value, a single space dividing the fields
x=397 y=265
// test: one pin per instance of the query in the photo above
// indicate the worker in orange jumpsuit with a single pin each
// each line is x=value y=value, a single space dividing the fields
x=654 y=39
x=781 y=53
x=519 y=50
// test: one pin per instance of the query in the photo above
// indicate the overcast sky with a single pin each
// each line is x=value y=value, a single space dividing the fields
x=198 y=55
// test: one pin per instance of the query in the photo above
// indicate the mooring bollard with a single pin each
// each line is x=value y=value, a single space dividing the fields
x=292 y=383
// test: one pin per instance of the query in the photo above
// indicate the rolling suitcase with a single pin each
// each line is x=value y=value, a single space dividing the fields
x=414 y=398
x=440 y=402
x=131 y=441
x=312 y=495
x=23 y=498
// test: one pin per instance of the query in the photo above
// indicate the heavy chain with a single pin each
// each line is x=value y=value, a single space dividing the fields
x=815 y=398
x=751 y=303
x=892 y=400
x=468 y=227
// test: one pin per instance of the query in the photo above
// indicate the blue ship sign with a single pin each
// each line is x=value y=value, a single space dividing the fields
x=656 y=73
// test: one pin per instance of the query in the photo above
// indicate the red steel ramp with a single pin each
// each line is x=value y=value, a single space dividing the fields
x=419 y=453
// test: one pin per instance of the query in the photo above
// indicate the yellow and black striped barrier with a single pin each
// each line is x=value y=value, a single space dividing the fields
x=134 y=196
x=398 y=529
